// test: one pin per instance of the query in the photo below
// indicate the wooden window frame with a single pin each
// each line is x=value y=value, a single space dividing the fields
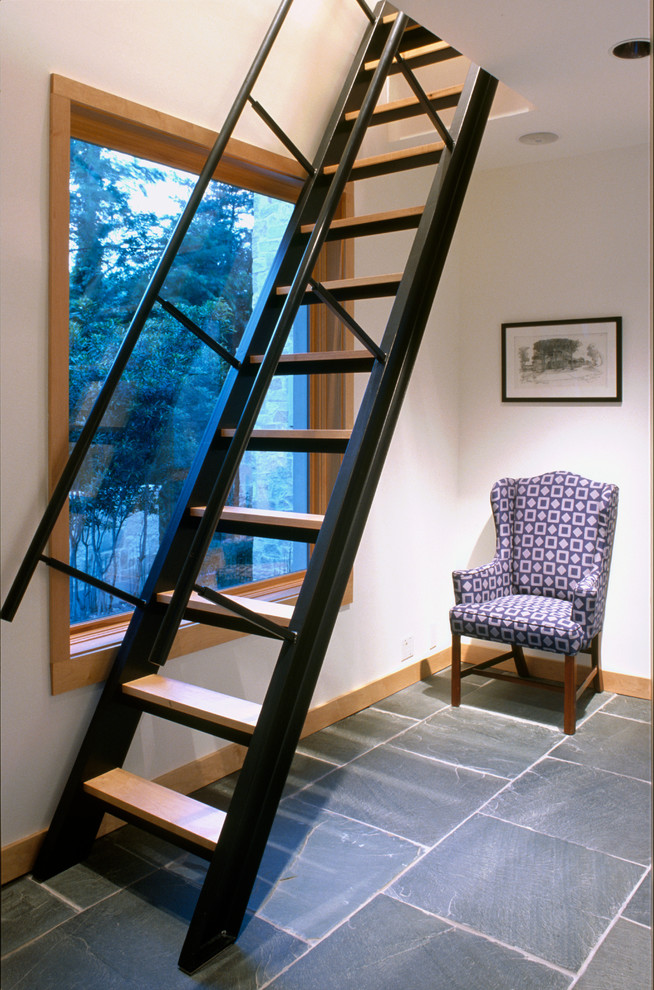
x=82 y=655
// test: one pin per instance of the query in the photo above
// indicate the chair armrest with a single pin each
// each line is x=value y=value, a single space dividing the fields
x=588 y=599
x=481 y=584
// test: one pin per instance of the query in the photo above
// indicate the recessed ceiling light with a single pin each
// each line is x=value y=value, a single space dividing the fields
x=539 y=137
x=633 y=48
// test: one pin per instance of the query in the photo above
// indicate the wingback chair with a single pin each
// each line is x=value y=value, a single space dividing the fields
x=546 y=587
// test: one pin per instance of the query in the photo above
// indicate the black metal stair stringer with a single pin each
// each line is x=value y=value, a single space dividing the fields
x=112 y=727
x=232 y=871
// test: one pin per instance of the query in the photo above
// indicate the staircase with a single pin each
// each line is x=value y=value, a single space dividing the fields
x=234 y=842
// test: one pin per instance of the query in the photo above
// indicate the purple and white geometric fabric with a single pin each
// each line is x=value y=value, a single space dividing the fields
x=528 y=620
x=554 y=536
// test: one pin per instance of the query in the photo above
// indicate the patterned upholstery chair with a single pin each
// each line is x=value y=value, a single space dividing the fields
x=546 y=587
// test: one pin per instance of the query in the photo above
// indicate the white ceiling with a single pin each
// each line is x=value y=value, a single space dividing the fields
x=556 y=55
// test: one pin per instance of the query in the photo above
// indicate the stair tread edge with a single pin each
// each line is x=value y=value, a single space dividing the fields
x=178 y=813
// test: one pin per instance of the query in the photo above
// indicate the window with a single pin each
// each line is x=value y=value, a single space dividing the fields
x=122 y=211
x=119 y=176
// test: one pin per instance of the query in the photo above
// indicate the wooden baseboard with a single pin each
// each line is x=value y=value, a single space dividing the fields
x=18 y=857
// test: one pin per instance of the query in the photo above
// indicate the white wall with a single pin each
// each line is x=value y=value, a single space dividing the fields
x=453 y=431
x=558 y=240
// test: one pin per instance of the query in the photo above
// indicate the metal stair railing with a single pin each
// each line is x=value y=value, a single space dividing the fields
x=223 y=482
x=113 y=726
x=234 y=861
x=232 y=871
x=148 y=300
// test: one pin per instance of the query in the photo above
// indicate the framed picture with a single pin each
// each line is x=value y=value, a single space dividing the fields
x=562 y=360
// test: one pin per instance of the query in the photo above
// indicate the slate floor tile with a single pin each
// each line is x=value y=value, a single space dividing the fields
x=28 y=911
x=82 y=886
x=408 y=795
x=63 y=958
x=609 y=742
x=427 y=697
x=639 y=908
x=543 y=895
x=622 y=962
x=531 y=703
x=132 y=942
x=156 y=851
x=108 y=869
x=637 y=708
x=417 y=701
x=318 y=868
x=189 y=867
x=352 y=736
x=473 y=739
x=304 y=770
x=593 y=808
x=112 y=857
x=389 y=945
x=343 y=899
x=260 y=953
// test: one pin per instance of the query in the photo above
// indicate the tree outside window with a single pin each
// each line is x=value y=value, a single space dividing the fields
x=122 y=210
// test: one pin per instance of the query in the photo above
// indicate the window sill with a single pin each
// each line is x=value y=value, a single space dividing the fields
x=93 y=646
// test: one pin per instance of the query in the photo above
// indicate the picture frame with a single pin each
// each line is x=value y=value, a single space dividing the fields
x=562 y=360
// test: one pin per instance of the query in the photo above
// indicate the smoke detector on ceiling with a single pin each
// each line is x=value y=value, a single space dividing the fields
x=539 y=137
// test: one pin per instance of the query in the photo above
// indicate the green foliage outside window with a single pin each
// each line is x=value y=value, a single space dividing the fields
x=123 y=210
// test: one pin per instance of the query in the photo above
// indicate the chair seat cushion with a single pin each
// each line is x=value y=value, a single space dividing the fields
x=536 y=621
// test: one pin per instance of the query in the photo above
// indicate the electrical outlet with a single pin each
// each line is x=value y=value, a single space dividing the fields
x=407 y=648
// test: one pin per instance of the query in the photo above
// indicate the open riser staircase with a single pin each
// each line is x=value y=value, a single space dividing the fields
x=234 y=842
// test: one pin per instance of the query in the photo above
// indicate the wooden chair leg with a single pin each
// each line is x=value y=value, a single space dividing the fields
x=595 y=658
x=520 y=662
x=570 y=695
x=456 y=670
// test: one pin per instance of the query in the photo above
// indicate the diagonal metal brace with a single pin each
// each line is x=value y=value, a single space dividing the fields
x=279 y=632
x=109 y=589
x=418 y=91
x=199 y=332
x=366 y=9
x=282 y=135
x=349 y=321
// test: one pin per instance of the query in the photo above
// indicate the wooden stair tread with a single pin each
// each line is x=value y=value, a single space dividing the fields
x=220 y=709
x=176 y=813
x=404 y=156
x=354 y=288
x=297 y=441
x=412 y=30
x=297 y=434
x=372 y=223
x=423 y=54
x=320 y=357
x=265 y=517
x=275 y=611
x=441 y=99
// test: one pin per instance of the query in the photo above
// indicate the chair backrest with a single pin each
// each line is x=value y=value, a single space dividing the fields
x=552 y=529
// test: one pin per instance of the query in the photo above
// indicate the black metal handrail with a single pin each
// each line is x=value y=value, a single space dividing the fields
x=80 y=449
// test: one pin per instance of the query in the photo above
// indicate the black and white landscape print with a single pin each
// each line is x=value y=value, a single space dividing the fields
x=560 y=361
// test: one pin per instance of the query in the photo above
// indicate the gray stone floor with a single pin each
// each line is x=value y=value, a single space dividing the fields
x=417 y=848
